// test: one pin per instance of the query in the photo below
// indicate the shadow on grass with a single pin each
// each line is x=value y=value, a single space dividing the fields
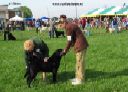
x=62 y=76
x=91 y=75
x=65 y=76
x=94 y=75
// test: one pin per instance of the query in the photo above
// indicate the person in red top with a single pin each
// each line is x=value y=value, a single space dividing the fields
x=76 y=39
x=83 y=23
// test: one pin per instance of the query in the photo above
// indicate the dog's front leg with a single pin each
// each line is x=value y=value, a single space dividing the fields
x=30 y=77
x=27 y=72
x=25 y=75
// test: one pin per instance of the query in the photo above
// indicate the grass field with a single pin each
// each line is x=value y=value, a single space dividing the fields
x=106 y=64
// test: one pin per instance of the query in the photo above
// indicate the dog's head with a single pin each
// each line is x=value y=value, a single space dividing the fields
x=56 y=56
x=58 y=52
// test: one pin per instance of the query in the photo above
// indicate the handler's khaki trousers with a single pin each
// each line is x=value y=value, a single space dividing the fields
x=44 y=75
x=80 y=65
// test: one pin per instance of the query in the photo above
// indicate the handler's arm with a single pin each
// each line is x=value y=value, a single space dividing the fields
x=69 y=39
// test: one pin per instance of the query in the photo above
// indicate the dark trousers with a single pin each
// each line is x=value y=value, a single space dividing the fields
x=6 y=34
x=37 y=30
x=51 y=34
x=126 y=27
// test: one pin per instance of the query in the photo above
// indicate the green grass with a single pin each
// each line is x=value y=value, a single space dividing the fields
x=106 y=64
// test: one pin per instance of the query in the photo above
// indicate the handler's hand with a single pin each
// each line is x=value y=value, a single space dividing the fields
x=46 y=59
x=63 y=53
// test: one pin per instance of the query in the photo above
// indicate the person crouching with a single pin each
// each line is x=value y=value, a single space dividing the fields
x=35 y=47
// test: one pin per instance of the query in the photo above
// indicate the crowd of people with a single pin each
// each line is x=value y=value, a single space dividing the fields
x=111 y=24
x=116 y=23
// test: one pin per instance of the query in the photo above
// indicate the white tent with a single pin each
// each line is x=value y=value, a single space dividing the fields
x=16 y=18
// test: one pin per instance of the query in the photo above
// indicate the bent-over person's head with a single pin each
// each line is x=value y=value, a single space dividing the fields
x=28 y=45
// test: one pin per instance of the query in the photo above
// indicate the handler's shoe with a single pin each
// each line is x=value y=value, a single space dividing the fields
x=76 y=82
x=74 y=79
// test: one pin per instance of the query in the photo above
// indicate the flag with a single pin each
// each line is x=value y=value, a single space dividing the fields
x=124 y=5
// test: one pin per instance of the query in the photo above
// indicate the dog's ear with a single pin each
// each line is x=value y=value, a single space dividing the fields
x=61 y=54
x=58 y=52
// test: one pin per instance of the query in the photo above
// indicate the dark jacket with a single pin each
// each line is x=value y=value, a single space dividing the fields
x=41 y=50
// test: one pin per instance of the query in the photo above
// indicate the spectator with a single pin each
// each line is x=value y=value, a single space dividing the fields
x=37 y=25
x=51 y=29
x=1 y=27
x=115 y=24
x=127 y=24
x=6 y=30
x=83 y=23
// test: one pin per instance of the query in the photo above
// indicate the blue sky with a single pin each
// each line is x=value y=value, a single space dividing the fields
x=45 y=7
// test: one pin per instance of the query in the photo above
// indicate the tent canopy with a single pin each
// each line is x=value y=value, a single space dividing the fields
x=44 y=18
x=16 y=18
x=91 y=12
x=29 y=19
x=123 y=11
x=113 y=10
x=87 y=15
x=107 y=10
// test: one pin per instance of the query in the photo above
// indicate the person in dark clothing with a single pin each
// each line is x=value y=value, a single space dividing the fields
x=37 y=25
x=6 y=31
x=115 y=24
x=1 y=28
x=36 y=47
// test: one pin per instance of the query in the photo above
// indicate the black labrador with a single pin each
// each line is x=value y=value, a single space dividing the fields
x=36 y=65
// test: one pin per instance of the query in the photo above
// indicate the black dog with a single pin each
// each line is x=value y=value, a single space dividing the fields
x=59 y=33
x=11 y=37
x=36 y=65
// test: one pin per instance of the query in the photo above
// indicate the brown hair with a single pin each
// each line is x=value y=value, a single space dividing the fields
x=63 y=16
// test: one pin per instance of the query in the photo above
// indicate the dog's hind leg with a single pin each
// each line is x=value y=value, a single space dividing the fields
x=54 y=72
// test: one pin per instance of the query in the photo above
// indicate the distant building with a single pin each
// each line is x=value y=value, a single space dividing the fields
x=6 y=14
